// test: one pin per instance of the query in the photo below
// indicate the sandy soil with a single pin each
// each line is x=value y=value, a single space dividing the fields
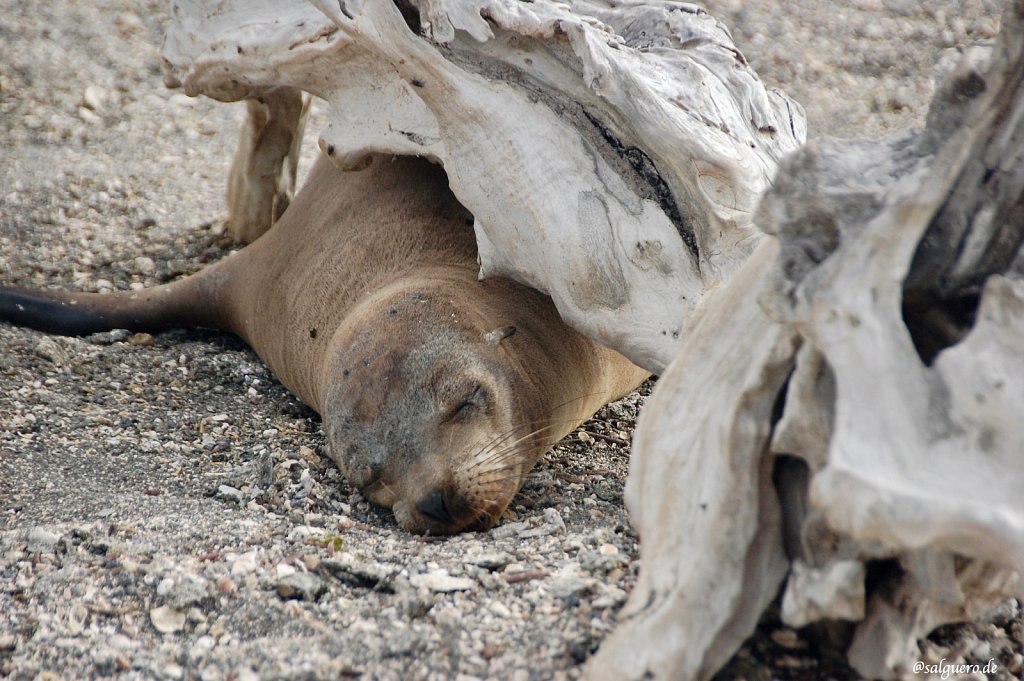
x=167 y=509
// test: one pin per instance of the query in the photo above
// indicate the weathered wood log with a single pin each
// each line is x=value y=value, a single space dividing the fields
x=711 y=530
x=914 y=470
x=977 y=231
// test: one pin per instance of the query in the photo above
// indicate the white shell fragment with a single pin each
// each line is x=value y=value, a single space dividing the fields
x=166 y=619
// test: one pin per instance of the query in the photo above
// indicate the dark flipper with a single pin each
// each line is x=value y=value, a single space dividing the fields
x=185 y=303
x=46 y=312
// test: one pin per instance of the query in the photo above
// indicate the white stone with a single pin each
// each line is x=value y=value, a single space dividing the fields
x=441 y=582
x=167 y=620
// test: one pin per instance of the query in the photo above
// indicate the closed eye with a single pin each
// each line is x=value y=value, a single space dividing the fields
x=474 y=400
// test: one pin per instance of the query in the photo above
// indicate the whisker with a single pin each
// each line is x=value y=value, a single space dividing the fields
x=501 y=449
x=550 y=422
x=505 y=459
x=494 y=481
x=538 y=429
x=499 y=439
x=478 y=475
x=499 y=469
x=380 y=484
x=499 y=460
x=496 y=440
x=484 y=518
x=488 y=456
x=576 y=399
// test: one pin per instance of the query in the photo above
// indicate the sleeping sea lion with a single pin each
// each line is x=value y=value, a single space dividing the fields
x=438 y=391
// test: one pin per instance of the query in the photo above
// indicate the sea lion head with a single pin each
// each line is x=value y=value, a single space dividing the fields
x=428 y=414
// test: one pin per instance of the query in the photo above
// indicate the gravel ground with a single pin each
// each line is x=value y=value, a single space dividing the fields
x=167 y=509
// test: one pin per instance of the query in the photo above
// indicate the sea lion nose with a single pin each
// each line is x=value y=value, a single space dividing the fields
x=446 y=511
x=435 y=507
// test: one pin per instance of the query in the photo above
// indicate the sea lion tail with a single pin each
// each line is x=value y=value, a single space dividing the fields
x=188 y=302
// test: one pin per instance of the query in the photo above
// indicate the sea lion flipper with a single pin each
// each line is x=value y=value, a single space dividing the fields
x=48 y=312
x=189 y=302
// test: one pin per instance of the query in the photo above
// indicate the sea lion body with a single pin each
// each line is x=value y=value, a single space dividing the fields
x=438 y=391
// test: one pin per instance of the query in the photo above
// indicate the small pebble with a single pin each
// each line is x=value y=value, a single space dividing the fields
x=244 y=564
x=490 y=561
x=508 y=530
x=787 y=638
x=145 y=264
x=129 y=22
x=439 y=581
x=301 y=585
x=167 y=620
x=790 y=662
x=143 y=339
x=202 y=646
x=78 y=615
x=41 y=539
x=89 y=116
x=94 y=97
x=173 y=671
x=105 y=661
x=230 y=493
x=226 y=585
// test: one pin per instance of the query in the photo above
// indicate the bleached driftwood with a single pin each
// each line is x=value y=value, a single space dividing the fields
x=882 y=461
x=264 y=170
x=612 y=154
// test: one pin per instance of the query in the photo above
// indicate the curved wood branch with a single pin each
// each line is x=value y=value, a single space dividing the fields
x=713 y=528
x=264 y=170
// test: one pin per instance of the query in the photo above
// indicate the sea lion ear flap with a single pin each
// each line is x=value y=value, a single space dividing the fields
x=499 y=334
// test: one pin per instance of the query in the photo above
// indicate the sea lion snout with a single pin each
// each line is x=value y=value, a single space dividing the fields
x=446 y=509
x=454 y=482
